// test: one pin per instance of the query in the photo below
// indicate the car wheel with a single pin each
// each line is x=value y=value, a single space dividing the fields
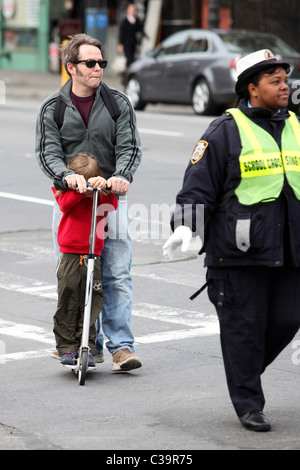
x=202 y=101
x=133 y=91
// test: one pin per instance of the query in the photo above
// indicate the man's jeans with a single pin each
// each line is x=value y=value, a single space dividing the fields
x=116 y=279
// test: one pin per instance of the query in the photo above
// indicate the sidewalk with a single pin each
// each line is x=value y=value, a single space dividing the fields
x=37 y=86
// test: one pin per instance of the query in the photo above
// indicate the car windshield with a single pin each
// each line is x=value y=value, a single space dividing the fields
x=173 y=44
x=245 y=43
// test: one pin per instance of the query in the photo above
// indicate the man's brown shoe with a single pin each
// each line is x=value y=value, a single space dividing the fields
x=125 y=359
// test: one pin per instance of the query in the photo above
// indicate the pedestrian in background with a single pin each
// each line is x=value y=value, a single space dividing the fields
x=131 y=32
x=89 y=126
x=243 y=182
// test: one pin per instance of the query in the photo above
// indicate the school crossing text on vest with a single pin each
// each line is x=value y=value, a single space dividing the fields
x=263 y=165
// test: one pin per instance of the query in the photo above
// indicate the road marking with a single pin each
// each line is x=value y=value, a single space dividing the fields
x=193 y=323
x=25 y=331
x=25 y=285
x=162 y=337
x=19 y=356
x=207 y=326
x=176 y=279
x=190 y=318
x=33 y=253
x=163 y=133
x=19 y=197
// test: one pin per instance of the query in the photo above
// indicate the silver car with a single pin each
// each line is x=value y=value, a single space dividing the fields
x=197 y=67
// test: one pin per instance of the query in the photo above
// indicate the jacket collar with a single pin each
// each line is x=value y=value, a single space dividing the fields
x=65 y=92
x=261 y=113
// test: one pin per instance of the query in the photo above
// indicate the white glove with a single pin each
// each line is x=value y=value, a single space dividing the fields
x=181 y=236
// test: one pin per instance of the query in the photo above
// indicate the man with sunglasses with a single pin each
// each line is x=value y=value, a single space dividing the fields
x=88 y=126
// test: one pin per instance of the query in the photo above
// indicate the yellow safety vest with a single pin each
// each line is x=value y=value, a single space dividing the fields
x=262 y=164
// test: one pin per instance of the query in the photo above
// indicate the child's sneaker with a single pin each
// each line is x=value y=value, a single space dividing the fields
x=91 y=361
x=68 y=358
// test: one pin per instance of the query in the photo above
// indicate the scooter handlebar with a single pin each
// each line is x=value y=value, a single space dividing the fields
x=91 y=188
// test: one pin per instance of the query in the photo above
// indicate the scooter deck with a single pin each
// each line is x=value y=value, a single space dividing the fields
x=74 y=367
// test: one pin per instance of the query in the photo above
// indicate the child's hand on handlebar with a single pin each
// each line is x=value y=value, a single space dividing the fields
x=97 y=182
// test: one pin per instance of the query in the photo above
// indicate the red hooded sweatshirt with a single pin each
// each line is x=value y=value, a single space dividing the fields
x=75 y=225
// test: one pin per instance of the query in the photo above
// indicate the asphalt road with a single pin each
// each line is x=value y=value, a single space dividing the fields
x=178 y=401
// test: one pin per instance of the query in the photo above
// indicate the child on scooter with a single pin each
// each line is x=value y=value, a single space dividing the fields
x=73 y=239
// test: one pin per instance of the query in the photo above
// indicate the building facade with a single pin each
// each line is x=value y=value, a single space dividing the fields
x=24 y=34
x=32 y=30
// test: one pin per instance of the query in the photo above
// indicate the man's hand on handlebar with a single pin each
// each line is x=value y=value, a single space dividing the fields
x=76 y=182
x=118 y=185
x=115 y=184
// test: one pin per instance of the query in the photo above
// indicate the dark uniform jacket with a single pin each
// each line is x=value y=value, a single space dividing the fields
x=274 y=227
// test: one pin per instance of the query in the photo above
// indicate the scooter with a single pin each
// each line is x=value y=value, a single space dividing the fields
x=81 y=367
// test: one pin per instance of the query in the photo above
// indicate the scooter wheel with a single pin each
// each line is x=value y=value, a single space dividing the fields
x=83 y=367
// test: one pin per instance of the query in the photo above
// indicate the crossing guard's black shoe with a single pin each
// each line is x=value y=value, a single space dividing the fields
x=255 y=421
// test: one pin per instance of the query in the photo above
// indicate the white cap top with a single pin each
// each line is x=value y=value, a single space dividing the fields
x=253 y=63
x=253 y=59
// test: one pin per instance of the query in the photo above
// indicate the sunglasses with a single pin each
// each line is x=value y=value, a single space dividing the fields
x=90 y=63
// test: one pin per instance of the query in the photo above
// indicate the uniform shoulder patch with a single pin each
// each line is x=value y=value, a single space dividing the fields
x=199 y=151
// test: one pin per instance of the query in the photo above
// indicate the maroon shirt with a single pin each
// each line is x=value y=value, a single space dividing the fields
x=84 y=105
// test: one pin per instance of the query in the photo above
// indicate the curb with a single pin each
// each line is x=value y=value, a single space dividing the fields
x=37 y=86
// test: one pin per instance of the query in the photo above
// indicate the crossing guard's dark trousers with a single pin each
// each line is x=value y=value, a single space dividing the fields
x=259 y=314
x=68 y=319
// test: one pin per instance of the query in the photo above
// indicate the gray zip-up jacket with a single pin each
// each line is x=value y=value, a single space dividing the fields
x=116 y=145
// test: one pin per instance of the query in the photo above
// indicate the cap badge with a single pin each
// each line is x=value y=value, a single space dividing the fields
x=269 y=55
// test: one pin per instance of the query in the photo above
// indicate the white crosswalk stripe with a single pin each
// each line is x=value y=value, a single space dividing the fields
x=190 y=323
